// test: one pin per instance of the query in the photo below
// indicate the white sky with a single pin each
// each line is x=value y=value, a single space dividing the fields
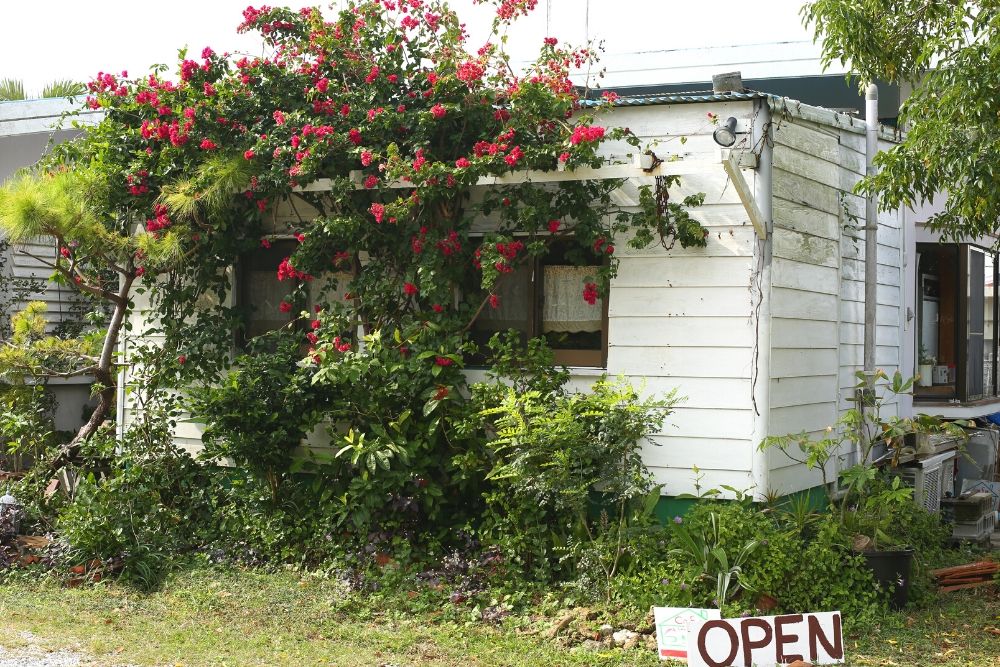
x=45 y=40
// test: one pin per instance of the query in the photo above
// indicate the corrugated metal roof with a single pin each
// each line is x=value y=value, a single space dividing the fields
x=680 y=98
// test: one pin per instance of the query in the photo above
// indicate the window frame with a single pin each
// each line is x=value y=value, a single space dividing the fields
x=572 y=358
x=991 y=390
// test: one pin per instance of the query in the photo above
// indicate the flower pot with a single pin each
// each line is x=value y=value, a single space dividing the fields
x=926 y=373
x=891 y=570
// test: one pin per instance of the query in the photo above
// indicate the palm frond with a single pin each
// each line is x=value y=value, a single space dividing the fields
x=11 y=90
x=63 y=88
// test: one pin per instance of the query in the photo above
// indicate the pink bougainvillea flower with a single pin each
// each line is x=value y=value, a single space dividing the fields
x=248 y=154
x=462 y=163
x=366 y=158
x=583 y=133
x=279 y=117
x=354 y=136
x=208 y=145
x=438 y=111
x=371 y=182
x=378 y=211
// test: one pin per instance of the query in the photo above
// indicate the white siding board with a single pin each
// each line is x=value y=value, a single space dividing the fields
x=806 y=248
x=707 y=454
x=802 y=362
x=803 y=276
x=679 y=302
x=684 y=272
x=805 y=219
x=793 y=333
x=792 y=391
x=802 y=304
x=639 y=361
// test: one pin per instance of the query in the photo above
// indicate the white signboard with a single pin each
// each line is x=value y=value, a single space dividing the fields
x=672 y=627
x=766 y=641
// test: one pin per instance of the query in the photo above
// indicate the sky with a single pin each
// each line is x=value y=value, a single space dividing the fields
x=45 y=40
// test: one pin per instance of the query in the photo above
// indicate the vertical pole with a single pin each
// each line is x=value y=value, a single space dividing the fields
x=871 y=230
x=762 y=141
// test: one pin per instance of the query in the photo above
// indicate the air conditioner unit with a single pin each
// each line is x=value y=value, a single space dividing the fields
x=930 y=478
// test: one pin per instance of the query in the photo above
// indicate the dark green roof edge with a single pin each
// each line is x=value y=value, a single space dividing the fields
x=679 y=98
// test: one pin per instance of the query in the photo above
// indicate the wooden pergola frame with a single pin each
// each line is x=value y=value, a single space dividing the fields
x=732 y=162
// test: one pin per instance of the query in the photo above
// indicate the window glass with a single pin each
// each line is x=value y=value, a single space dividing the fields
x=937 y=320
x=260 y=293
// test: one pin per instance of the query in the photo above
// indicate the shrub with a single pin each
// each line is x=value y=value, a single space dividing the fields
x=568 y=479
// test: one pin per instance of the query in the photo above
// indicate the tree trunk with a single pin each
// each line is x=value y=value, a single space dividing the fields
x=104 y=376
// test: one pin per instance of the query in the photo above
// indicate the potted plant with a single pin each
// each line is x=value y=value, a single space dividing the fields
x=872 y=523
x=925 y=370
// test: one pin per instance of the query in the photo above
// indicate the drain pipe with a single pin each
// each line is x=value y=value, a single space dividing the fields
x=871 y=230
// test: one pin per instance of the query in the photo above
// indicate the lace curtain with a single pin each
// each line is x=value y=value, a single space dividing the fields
x=564 y=309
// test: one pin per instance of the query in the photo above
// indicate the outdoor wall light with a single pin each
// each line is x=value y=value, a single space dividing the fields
x=725 y=135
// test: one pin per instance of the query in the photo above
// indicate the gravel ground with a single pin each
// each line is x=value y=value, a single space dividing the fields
x=33 y=655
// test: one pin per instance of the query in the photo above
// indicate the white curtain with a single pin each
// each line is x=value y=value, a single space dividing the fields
x=564 y=309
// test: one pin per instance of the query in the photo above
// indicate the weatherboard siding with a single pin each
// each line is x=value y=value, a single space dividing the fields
x=817 y=293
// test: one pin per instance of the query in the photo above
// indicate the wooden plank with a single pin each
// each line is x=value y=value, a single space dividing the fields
x=701 y=392
x=807 y=166
x=789 y=391
x=794 y=188
x=708 y=454
x=852 y=290
x=793 y=333
x=721 y=242
x=640 y=361
x=819 y=141
x=806 y=248
x=710 y=424
x=790 y=362
x=746 y=197
x=683 y=332
x=676 y=481
x=811 y=417
x=679 y=302
x=803 y=305
x=802 y=276
x=805 y=219
x=684 y=272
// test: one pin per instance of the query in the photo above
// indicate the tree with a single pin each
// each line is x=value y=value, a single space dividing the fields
x=947 y=50
x=383 y=121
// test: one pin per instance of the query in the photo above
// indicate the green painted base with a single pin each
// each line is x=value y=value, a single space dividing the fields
x=669 y=507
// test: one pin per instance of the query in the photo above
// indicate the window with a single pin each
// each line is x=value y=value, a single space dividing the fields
x=259 y=293
x=956 y=331
x=545 y=298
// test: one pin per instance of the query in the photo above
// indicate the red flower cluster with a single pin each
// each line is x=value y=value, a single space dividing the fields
x=288 y=272
x=554 y=226
x=137 y=184
x=378 y=212
x=410 y=289
x=470 y=71
x=366 y=158
x=590 y=293
x=371 y=182
x=494 y=301
x=341 y=345
x=443 y=361
x=462 y=163
x=583 y=133
x=510 y=250
x=450 y=245
x=438 y=111
x=601 y=243
x=285 y=307
x=160 y=219
x=208 y=145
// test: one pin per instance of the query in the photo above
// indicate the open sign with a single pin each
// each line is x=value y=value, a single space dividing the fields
x=766 y=641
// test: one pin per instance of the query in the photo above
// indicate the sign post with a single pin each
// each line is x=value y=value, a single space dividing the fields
x=672 y=628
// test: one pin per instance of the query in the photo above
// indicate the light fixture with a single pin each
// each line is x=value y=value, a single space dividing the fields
x=725 y=134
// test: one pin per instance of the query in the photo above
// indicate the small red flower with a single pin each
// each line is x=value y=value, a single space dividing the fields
x=248 y=154
x=554 y=226
x=371 y=182
x=443 y=361
x=285 y=307
x=462 y=163
x=439 y=111
x=494 y=301
x=590 y=293
x=265 y=243
x=366 y=158
x=64 y=251
x=377 y=211
x=182 y=359
x=410 y=289
x=441 y=393
x=208 y=145
x=437 y=307
x=315 y=324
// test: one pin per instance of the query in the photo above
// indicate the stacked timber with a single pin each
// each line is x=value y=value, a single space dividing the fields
x=971 y=575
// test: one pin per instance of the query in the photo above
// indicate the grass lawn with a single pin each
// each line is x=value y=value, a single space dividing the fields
x=226 y=617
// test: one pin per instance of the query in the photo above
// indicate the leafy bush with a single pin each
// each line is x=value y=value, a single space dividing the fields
x=143 y=513
x=260 y=411
x=568 y=477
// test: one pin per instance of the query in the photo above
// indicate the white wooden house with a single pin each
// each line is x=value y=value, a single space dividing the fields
x=27 y=129
x=761 y=330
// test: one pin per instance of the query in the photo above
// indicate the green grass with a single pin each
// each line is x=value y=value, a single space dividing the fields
x=212 y=616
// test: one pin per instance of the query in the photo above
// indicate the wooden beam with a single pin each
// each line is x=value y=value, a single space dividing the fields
x=732 y=168
x=667 y=168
